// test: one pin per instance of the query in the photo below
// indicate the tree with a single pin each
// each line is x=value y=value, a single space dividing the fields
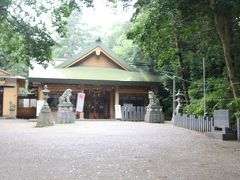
x=225 y=15
x=117 y=40
x=160 y=31
x=79 y=35
x=25 y=35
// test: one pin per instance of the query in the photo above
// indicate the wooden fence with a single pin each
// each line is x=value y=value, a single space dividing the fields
x=133 y=113
x=201 y=123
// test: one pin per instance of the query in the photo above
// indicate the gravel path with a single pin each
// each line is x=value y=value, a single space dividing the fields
x=113 y=150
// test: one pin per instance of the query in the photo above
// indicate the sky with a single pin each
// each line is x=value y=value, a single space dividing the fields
x=100 y=15
x=105 y=16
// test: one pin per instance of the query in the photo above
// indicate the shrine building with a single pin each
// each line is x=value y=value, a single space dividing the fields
x=106 y=80
x=9 y=90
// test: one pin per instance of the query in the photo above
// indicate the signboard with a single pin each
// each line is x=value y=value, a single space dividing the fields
x=80 y=102
x=118 y=112
x=39 y=106
x=222 y=118
x=26 y=103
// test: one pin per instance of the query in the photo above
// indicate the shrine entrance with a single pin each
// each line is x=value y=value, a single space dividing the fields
x=97 y=104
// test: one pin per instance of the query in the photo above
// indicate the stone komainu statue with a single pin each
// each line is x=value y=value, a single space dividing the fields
x=65 y=97
x=12 y=107
x=153 y=100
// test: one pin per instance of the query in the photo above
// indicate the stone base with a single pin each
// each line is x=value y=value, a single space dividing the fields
x=44 y=119
x=65 y=114
x=81 y=116
x=222 y=135
x=153 y=117
x=154 y=114
x=11 y=117
x=64 y=117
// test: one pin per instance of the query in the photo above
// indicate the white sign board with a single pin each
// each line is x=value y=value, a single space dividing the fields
x=26 y=103
x=118 y=112
x=33 y=102
x=80 y=102
x=39 y=106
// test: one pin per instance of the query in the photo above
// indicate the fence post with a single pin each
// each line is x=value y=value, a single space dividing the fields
x=122 y=113
x=202 y=123
x=188 y=121
x=191 y=122
x=209 y=124
x=142 y=113
x=238 y=129
x=207 y=118
x=185 y=121
x=205 y=124
x=199 y=123
x=212 y=123
x=194 y=123
x=175 y=120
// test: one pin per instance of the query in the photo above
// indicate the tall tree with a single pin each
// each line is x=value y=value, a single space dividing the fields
x=225 y=15
x=116 y=39
x=79 y=35
x=26 y=35
x=162 y=33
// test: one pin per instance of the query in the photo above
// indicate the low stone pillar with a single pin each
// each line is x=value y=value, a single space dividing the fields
x=44 y=118
x=81 y=115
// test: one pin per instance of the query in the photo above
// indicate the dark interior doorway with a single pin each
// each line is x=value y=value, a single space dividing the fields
x=1 y=101
x=97 y=104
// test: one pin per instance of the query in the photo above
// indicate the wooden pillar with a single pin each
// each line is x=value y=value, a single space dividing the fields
x=111 y=105
x=116 y=96
x=40 y=94
x=81 y=114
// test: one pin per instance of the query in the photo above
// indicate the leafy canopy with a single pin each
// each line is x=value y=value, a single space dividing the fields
x=28 y=29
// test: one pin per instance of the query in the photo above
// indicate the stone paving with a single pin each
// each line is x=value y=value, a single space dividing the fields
x=113 y=150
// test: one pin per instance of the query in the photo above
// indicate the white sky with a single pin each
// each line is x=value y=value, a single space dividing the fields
x=100 y=15
x=104 y=16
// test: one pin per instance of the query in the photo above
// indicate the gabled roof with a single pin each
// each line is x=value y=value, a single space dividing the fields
x=9 y=75
x=89 y=50
x=71 y=71
x=3 y=72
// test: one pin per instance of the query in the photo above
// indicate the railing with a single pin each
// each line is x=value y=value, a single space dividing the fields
x=133 y=113
x=201 y=123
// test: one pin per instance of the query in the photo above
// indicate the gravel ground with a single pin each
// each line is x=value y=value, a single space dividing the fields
x=113 y=150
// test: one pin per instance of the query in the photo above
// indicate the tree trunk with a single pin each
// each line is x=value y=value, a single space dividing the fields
x=182 y=69
x=223 y=23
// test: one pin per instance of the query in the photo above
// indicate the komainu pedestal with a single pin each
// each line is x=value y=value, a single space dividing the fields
x=65 y=112
x=154 y=110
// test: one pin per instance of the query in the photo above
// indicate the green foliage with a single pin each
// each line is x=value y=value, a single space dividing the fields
x=78 y=36
x=156 y=26
x=24 y=35
x=123 y=47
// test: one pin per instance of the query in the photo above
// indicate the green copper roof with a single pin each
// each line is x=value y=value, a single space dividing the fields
x=90 y=48
x=95 y=73
x=64 y=73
